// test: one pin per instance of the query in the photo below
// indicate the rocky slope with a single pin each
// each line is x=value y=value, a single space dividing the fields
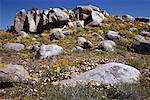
x=64 y=47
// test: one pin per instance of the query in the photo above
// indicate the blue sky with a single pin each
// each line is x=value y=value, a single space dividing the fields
x=8 y=8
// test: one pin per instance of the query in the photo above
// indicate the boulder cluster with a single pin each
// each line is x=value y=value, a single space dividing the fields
x=37 y=20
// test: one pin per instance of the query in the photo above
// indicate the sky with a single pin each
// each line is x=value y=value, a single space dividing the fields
x=136 y=8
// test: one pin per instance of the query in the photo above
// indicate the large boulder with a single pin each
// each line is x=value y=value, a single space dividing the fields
x=142 y=46
x=107 y=45
x=95 y=18
x=14 y=46
x=110 y=73
x=57 y=15
x=34 y=17
x=86 y=9
x=13 y=73
x=46 y=51
x=128 y=17
x=20 y=20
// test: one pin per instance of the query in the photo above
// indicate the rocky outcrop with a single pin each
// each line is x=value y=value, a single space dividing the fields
x=37 y=20
x=110 y=73
x=19 y=21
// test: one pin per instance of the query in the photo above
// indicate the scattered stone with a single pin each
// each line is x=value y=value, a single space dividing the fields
x=143 y=33
x=141 y=47
x=77 y=48
x=81 y=40
x=34 y=39
x=22 y=34
x=139 y=37
x=14 y=46
x=79 y=23
x=110 y=73
x=46 y=51
x=68 y=32
x=107 y=45
x=57 y=36
x=133 y=29
x=97 y=36
x=13 y=73
x=112 y=35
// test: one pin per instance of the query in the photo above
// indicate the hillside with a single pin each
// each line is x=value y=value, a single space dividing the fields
x=84 y=53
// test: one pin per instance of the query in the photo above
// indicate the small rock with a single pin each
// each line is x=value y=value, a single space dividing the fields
x=133 y=29
x=107 y=45
x=22 y=34
x=57 y=36
x=139 y=37
x=77 y=48
x=68 y=32
x=97 y=36
x=143 y=33
x=34 y=39
x=112 y=35
x=81 y=40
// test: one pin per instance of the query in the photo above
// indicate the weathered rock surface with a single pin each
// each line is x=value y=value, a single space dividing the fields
x=94 y=19
x=142 y=46
x=46 y=51
x=13 y=73
x=20 y=20
x=86 y=9
x=107 y=45
x=110 y=73
x=56 y=15
x=14 y=46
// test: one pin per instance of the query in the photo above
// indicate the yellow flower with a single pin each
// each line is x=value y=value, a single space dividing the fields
x=57 y=69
